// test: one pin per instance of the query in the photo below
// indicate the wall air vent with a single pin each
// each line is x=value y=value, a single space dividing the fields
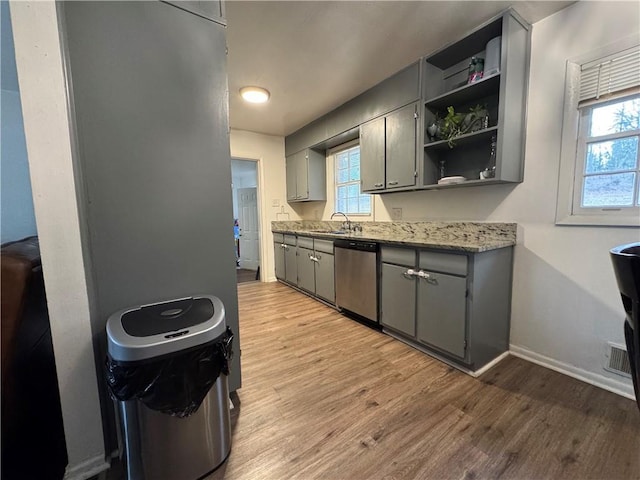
x=617 y=360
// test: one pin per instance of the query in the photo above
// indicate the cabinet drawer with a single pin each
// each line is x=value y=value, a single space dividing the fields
x=290 y=240
x=399 y=256
x=455 y=264
x=305 y=242
x=278 y=238
x=325 y=246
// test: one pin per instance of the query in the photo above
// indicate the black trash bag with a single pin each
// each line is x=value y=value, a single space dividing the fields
x=175 y=384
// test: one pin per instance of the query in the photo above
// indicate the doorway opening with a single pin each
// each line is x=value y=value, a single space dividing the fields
x=246 y=219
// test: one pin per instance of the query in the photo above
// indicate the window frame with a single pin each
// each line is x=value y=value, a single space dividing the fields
x=334 y=154
x=568 y=211
x=581 y=151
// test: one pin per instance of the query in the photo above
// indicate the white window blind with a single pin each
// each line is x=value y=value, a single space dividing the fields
x=610 y=75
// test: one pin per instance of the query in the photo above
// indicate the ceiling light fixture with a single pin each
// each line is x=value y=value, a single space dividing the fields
x=255 y=94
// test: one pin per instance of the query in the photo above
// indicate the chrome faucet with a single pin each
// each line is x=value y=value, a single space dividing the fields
x=346 y=224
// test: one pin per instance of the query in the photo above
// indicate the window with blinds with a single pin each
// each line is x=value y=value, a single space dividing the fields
x=606 y=179
x=612 y=75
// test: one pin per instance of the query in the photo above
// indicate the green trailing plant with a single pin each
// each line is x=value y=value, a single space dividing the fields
x=455 y=124
x=451 y=126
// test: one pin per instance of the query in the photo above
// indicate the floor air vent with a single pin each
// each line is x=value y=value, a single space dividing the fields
x=618 y=361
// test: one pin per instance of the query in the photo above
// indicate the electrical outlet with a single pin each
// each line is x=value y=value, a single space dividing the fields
x=275 y=202
x=396 y=214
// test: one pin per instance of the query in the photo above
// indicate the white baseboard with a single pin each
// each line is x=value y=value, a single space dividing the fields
x=606 y=383
x=87 y=469
x=489 y=365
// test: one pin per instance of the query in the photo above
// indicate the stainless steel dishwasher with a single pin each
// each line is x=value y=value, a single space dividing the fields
x=356 y=267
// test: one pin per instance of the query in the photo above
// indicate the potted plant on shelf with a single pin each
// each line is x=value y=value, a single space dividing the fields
x=451 y=126
x=455 y=124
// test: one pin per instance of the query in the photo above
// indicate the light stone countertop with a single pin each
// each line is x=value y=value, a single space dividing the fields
x=460 y=236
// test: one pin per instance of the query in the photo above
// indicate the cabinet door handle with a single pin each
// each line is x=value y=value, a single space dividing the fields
x=409 y=273
x=394 y=182
x=423 y=274
x=378 y=185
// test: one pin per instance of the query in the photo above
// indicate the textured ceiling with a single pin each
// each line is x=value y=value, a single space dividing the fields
x=314 y=56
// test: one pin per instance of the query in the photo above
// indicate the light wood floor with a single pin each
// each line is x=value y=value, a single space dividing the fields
x=324 y=397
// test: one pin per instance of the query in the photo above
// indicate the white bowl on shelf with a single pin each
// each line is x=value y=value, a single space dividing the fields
x=451 y=180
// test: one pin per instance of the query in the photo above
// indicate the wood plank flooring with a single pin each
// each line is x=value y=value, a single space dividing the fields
x=325 y=397
x=244 y=275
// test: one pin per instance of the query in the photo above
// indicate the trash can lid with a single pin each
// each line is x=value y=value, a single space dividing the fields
x=147 y=331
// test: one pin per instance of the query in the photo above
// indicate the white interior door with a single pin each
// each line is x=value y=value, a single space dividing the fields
x=249 y=229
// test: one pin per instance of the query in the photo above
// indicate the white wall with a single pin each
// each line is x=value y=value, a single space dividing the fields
x=269 y=151
x=17 y=217
x=46 y=122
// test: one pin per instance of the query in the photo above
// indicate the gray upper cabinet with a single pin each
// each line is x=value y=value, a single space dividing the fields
x=400 y=147
x=372 y=155
x=306 y=176
x=414 y=159
x=388 y=150
x=291 y=163
x=502 y=92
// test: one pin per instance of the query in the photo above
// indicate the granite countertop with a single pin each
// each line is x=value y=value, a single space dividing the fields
x=460 y=236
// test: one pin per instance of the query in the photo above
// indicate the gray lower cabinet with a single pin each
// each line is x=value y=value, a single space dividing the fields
x=398 y=299
x=278 y=249
x=441 y=314
x=456 y=304
x=306 y=177
x=306 y=270
x=286 y=258
x=325 y=276
x=388 y=150
x=315 y=267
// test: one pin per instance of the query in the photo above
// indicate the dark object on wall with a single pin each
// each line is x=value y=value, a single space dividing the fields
x=626 y=264
x=33 y=443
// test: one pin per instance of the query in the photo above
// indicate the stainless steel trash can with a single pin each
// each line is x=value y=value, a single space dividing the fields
x=151 y=341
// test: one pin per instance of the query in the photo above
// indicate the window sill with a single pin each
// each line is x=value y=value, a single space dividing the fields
x=599 y=221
